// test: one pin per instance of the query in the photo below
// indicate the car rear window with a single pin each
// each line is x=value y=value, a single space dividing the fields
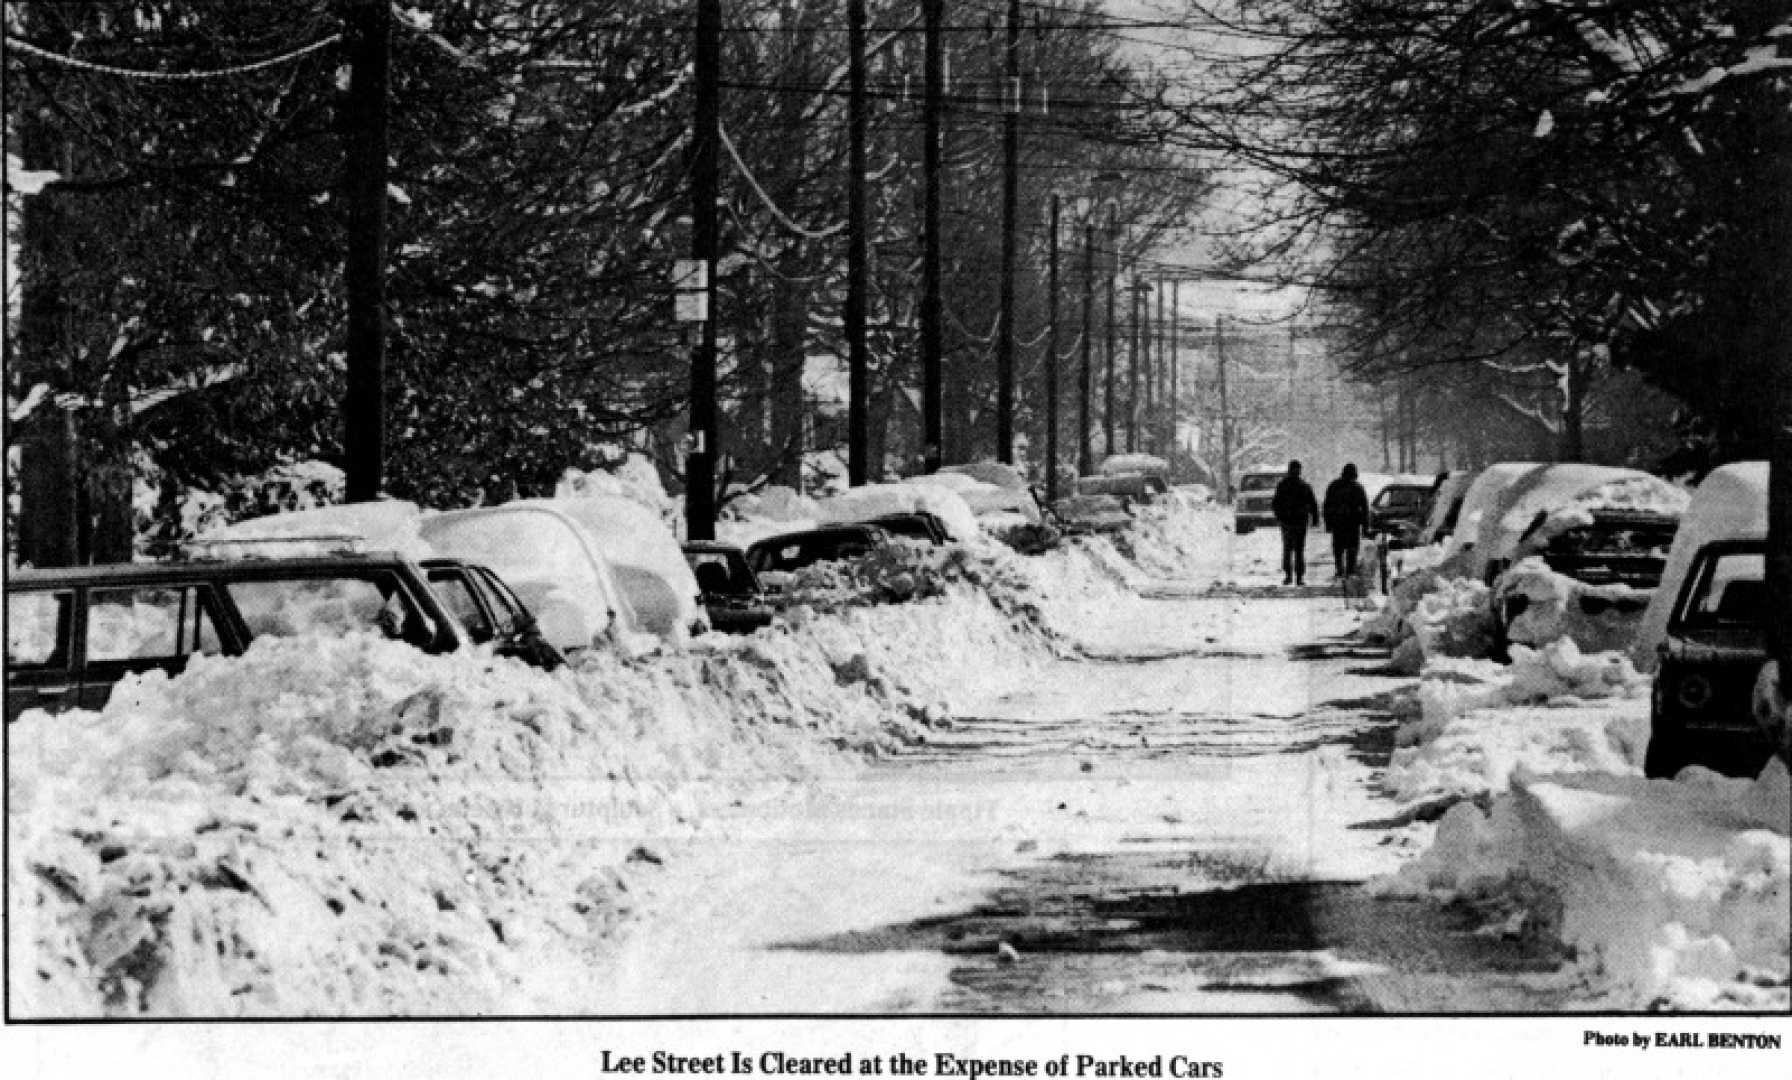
x=148 y=622
x=37 y=628
x=1258 y=482
x=1731 y=591
x=1401 y=498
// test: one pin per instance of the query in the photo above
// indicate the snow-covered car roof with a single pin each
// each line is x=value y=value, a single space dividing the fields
x=1482 y=491
x=876 y=500
x=990 y=472
x=649 y=565
x=1730 y=503
x=1115 y=464
x=548 y=559
x=386 y=524
x=1453 y=486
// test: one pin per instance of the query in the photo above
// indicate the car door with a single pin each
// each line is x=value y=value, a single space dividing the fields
x=456 y=588
x=515 y=627
x=42 y=671
x=131 y=628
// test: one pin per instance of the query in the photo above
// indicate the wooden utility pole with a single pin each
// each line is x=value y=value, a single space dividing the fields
x=1132 y=368
x=1175 y=372
x=367 y=35
x=1160 y=369
x=1219 y=349
x=933 y=77
x=858 y=360
x=699 y=471
x=1010 y=214
x=1085 y=377
x=1107 y=410
x=1051 y=362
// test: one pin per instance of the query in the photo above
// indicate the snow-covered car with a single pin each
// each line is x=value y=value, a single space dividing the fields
x=871 y=501
x=1701 y=711
x=1399 y=509
x=1479 y=495
x=917 y=525
x=74 y=633
x=1252 y=507
x=1704 y=632
x=552 y=564
x=997 y=489
x=1080 y=515
x=1586 y=564
x=1535 y=504
x=731 y=593
x=792 y=551
x=1445 y=506
x=491 y=612
x=648 y=563
x=1129 y=488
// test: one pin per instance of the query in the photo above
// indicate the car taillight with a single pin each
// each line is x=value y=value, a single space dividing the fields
x=1693 y=691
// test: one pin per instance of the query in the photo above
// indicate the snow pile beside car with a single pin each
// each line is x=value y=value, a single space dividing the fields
x=1552 y=710
x=331 y=826
x=1177 y=537
x=1673 y=894
x=1433 y=615
x=1595 y=617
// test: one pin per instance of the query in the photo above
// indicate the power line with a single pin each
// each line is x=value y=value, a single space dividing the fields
x=169 y=76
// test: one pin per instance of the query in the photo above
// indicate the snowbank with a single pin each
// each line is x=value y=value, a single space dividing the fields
x=347 y=827
x=1672 y=893
x=1552 y=710
x=1432 y=615
x=634 y=478
x=1594 y=617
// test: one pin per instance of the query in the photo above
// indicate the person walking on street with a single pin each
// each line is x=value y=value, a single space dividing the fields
x=1346 y=518
x=1295 y=508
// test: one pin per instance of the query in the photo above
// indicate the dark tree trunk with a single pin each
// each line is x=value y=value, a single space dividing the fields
x=789 y=339
x=48 y=438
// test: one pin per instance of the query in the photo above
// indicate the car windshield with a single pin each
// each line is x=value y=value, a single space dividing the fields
x=798 y=552
x=1615 y=538
x=1731 y=590
x=1258 y=482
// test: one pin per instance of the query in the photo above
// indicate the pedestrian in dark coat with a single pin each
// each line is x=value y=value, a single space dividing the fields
x=1347 y=519
x=1294 y=508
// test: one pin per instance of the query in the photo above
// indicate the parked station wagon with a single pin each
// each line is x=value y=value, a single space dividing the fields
x=74 y=633
x=1700 y=713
